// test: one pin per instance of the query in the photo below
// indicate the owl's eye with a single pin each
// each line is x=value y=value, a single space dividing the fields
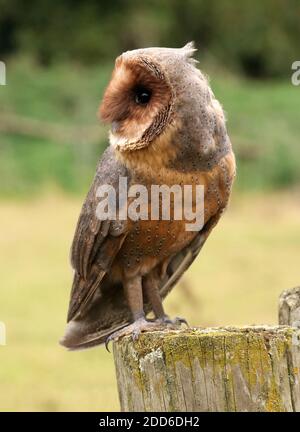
x=142 y=95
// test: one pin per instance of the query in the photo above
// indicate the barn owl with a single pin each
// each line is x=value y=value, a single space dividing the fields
x=166 y=128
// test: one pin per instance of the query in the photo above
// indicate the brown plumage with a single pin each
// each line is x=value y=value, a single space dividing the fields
x=167 y=129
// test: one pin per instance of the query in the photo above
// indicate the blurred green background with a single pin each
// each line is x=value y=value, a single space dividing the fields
x=59 y=56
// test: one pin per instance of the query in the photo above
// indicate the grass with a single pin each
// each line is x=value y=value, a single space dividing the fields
x=249 y=259
x=262 y=121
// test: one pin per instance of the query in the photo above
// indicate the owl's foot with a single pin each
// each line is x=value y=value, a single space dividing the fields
x=172 y=323
x=135 y=329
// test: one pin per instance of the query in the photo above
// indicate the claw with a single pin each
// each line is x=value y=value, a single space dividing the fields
x=174 y=322
x=108 y=339
x=140 y=325
x=134 y=329
x=182 y=321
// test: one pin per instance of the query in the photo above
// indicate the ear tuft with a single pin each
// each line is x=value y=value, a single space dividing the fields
x=188 y=52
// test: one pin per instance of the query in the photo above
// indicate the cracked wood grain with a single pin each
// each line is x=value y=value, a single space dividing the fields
x=215 y=369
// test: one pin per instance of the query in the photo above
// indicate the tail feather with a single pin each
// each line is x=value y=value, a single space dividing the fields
x=78 y=336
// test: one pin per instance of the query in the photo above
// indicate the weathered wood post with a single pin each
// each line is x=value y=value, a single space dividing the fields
x=253 y=368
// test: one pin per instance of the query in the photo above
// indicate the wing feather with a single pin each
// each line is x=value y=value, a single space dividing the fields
x=94 y=249
x=110 y=312
x=96 y=243
x=183 y=259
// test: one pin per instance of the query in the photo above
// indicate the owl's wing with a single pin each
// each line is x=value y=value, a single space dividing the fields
x=96 y=242
x=109 y=311
x=183 y=259
x=93 y=251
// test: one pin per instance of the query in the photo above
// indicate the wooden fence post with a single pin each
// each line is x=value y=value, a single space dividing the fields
x=253 y=368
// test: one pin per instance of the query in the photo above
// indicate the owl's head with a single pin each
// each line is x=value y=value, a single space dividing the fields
x=150 y=90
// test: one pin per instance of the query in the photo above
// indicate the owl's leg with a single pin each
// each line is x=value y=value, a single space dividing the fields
x=134 y=296
x=151 y=289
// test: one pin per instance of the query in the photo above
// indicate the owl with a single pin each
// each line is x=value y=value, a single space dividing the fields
x=166 y=128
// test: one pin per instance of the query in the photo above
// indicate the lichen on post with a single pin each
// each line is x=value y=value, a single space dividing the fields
x=215 y=369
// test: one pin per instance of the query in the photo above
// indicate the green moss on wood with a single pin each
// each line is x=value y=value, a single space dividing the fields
x=244 y=354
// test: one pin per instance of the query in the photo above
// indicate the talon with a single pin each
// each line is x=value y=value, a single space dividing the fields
x=173 y=322
x=133 y=329
x=108 y=339
x=182 y=321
